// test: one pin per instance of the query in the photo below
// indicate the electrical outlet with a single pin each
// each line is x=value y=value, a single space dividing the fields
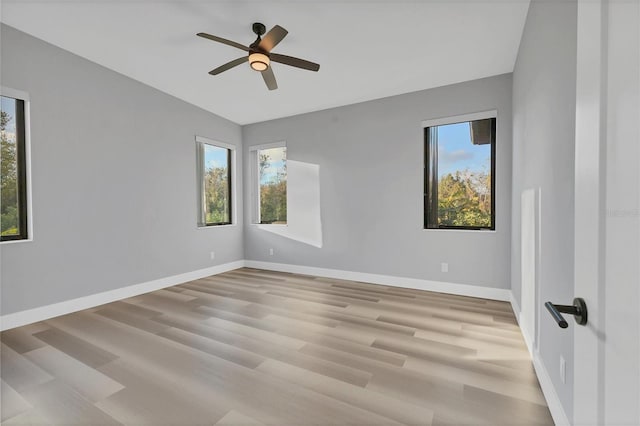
x=444 y=267
x=213 y=255
x=563 y=369
x=270 y=252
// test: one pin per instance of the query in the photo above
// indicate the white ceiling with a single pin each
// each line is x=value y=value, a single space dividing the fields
x=366 y=49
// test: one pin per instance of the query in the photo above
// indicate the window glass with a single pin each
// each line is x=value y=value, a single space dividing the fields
x=272 y=164
x=217 y=185
x=13 y=203
x=459 y=175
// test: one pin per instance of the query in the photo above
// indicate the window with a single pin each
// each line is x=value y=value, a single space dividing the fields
x=272 y=184
x=214 y=178
x=460 y=175
x=13 y=179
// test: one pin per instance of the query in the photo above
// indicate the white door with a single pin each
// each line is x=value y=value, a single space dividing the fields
x=607 y=213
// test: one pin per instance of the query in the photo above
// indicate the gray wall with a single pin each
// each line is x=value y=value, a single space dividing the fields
x=114 y=195
x=371 y=185
x=544 y=101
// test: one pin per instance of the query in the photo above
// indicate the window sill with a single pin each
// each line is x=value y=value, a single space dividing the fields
x=28 y=240
x=217 y=226
x=284 y=225
x=481 y=231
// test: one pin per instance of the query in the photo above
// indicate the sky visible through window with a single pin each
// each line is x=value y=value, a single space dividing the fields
x=275 y=165
x=8 y=105
x=214 y=157
x=457 y=153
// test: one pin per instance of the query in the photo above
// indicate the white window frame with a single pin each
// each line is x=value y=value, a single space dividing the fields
x=200 y=187
x=255 y=181
x=442 y=121
x=24 y=96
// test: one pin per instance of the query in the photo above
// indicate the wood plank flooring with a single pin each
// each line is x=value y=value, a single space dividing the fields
x=252 y=347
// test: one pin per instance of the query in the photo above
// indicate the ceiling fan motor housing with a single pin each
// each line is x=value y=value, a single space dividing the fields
x=259 y=28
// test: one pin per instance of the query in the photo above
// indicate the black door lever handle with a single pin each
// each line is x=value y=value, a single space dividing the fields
x=578 y=310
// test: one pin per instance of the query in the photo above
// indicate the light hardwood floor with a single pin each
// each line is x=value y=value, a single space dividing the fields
x=252 y=347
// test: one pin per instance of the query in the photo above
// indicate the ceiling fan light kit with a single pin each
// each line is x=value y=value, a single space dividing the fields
x=258 y=61
x=259 y=54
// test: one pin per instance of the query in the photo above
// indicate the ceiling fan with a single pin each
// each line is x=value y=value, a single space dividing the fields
x=260 y=56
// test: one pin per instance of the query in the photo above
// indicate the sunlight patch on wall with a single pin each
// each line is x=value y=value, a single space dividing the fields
x=303 y=205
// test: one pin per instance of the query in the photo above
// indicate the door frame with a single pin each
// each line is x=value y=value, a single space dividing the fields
x=589 y=193
x=606 y=272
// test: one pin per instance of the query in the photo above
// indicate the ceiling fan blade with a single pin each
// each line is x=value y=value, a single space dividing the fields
x=229 y=65
x=269 y=79
x=223 y=41
x=272 y=38
x=294 y=62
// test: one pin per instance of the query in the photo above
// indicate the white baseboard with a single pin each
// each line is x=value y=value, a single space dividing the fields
x=388 y=280
x=42 y=313
x=549 y=391
x=526 y=334
x=553 y=400
x=515 y=306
